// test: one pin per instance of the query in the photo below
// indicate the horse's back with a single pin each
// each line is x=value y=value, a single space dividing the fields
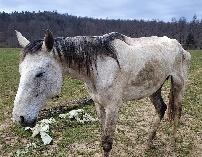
x=146 y=63
x=138 y=51
x=152 y=41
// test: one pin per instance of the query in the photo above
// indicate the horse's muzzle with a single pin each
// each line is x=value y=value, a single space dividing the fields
x=22 y=121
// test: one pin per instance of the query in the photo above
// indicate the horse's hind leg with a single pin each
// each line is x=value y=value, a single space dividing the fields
x=160 y=107
x=177 y=92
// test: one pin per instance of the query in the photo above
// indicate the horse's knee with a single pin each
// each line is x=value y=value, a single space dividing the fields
x=107 y=142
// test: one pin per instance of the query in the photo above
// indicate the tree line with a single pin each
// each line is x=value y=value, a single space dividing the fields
x=33 y=25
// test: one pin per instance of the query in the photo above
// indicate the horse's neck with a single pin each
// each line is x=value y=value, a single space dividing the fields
x=75 y=73
x=78 y=55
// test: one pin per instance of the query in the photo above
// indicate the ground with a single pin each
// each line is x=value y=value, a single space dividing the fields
x=70 y=138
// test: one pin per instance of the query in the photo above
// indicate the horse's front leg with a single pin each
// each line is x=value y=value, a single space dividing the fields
x=101 y=115
x=109 y=128
x=108 y=116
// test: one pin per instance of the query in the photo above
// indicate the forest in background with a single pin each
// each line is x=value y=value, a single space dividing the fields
x=33 y=25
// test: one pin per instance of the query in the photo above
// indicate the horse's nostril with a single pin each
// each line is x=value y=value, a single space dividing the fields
x=22 y=119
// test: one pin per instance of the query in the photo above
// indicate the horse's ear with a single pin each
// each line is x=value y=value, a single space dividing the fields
x=22 y=40
x=48 y=41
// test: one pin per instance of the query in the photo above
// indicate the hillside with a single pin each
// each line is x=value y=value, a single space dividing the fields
x=33 y=25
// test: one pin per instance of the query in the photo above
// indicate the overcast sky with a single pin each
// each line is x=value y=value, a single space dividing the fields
x=163 y=10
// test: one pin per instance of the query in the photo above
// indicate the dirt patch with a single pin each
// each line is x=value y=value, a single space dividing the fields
x=86 y=149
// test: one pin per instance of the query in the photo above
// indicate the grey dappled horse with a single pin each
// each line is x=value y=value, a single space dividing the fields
x=115 y=69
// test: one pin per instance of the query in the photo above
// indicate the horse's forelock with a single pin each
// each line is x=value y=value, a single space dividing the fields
x=32 y=47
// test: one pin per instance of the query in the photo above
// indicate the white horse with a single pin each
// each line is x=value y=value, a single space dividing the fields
x=115 y=69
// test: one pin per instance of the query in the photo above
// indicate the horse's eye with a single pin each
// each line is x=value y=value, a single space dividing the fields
x=40 y=74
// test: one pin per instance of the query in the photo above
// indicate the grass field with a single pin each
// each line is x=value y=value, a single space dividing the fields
x=71 y=138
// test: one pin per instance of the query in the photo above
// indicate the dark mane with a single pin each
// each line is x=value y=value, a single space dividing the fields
x=81 y=50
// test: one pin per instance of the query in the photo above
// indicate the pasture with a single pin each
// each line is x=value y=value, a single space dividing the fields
x=71 y=138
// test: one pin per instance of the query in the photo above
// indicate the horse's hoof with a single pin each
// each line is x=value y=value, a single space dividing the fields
x=106 y=154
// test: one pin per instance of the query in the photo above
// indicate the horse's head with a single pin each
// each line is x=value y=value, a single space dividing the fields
x=41 y=78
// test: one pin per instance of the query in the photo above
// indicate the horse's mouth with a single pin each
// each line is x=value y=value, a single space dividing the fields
x=31 y=125
x=24 y=123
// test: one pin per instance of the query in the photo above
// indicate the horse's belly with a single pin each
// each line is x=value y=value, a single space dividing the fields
x=135 y=93
x=144 y=87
